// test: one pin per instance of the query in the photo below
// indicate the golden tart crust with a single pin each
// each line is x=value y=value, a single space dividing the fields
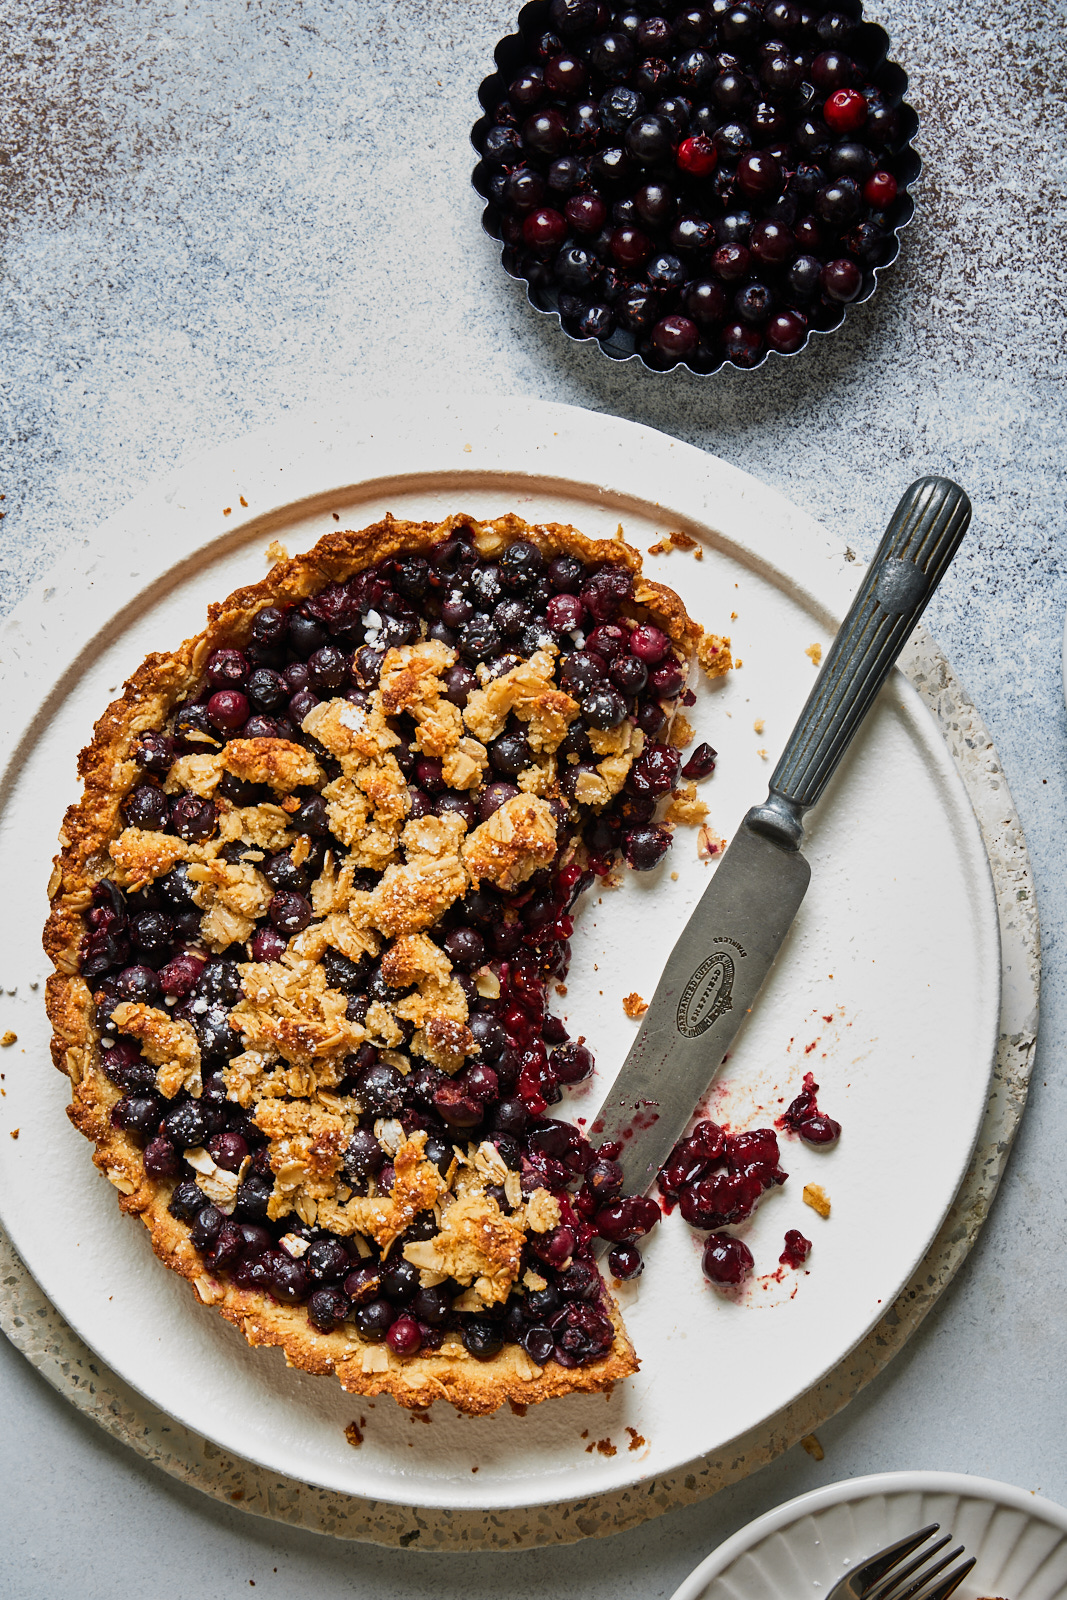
x=95 y=843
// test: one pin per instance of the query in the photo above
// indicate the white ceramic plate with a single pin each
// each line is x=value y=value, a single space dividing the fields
x=1019 y=1541
x=888 y=986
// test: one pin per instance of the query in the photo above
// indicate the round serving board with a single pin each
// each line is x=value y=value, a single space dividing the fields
x=891 y=987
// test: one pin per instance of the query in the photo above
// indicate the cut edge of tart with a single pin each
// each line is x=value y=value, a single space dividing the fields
x=257 y=1036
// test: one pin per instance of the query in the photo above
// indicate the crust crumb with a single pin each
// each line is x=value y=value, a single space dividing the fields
x=682 y=731
x=817 y=1198
x=15 y=1132
x=758 y=725
x=606 y=1448
x=354 y=1435
x=811 y=1444
x=709 y=844
x=686 y=808
x=634 y=1006
x=275 y=551
x=8 y=1039
x=636 y=1439
x=713 y=653
x=814 y=654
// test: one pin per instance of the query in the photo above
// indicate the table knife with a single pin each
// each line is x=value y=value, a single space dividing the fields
x=718 y=966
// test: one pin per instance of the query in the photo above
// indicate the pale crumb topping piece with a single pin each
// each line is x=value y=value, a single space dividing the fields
x=713 y=653
x=264 y=827
x=681 y=731
x=275 y=762
x=418 y=1186
x=528 y=691
x=169 y=1043
x=464 y=766
x=411 y=681
x=291 y=1011
x=354 y=734
x=307 y=1142
x=817 y=1198
x=199 y=774
x=517 y=840
x=410 y=898
x=478 y=1246
x=814 y=653
x=414 y=958
x=141 y=855
x=542 y=1211
x=686 y=808
x=433 y=837
x=709 y=843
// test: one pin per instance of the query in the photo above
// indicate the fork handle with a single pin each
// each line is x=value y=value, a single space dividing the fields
x=923 y=535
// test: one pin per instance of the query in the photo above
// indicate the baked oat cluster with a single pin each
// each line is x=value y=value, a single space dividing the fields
x=305 y=922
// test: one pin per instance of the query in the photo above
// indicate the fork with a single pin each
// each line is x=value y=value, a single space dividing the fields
x=883 y=1577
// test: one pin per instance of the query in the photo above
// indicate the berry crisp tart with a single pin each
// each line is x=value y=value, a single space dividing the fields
x=303 y=923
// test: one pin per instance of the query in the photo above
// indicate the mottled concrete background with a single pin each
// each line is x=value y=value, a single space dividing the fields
x=213 y=213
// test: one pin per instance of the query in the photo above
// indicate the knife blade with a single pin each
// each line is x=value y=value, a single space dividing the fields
x=717 y=967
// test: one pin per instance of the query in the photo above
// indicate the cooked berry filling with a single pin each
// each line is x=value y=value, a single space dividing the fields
x=348 y=871
x=803 y=1116
x=700 y=185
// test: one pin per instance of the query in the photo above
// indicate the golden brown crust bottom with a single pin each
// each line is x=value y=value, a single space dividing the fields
x=108 y=772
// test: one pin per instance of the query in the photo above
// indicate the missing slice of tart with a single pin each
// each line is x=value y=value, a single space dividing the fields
x=304 y=922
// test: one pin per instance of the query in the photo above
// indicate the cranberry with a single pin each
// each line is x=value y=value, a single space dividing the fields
x=404 y=1337
x=655 y=771
x=267 y=945
x=146 y=807
x=572 y=1063
x=154 y=752
x=192 y=819
x=457 y=1106
x=482 y=1339
x=645 y=847
x=626 y=1262
x=880 y=190
x=327 y=1308
x=676 y=337
x=726 y=1260
x=374 y=1319
x=227 y=669
x=290 y=913
x=625 y=1220
x=819 y=1129
x=161 y=1160
x=842 y=280
x=228 y=710
x=667 y=679
x=228 y=1150
x=701 y=763
x=797 y=1249
x=544 y=229
x=845 y=111
x=697 y=156
x=565 y=613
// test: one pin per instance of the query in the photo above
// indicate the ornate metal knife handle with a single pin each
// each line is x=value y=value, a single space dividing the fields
x=920 y=541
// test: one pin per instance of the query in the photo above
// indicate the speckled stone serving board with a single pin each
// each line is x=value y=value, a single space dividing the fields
x=59 y=1355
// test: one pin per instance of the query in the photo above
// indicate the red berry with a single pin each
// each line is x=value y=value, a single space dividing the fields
x=586 y=213
x=630 y=247
x=697 y=156
x=842 y=280
x=675 y=336
x=880 y=190
x=845 y=111
x=787 y=331
x=404 y=1337
x=726 y=1260
x=544 y=229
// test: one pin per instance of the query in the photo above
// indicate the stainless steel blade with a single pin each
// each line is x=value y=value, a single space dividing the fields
x=708 y=987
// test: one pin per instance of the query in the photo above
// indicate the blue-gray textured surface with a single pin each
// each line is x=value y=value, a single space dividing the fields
x=211 y=213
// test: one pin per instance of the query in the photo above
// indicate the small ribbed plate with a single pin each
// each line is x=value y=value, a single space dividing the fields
x=1019 y=1541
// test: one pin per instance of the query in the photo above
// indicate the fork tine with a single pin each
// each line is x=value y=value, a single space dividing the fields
x=925 y=1578
x=874 y=1570
x=942 y=1590
x=892 y=1583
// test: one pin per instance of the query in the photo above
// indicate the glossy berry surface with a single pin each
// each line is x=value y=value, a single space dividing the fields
x=686 y=149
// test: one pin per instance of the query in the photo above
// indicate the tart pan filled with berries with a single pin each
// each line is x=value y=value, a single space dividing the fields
x=696 y=184
x=304 y=922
